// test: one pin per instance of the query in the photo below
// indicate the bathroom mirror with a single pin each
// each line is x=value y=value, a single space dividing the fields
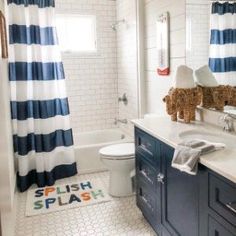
x=204 y=48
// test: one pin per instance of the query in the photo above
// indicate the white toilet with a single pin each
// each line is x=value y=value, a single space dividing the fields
x=120 y=161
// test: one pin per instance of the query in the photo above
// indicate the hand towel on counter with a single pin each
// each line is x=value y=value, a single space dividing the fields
x=187 y=154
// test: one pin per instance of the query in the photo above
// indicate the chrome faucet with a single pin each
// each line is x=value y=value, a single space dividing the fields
x=228 y=123
x=123 y=121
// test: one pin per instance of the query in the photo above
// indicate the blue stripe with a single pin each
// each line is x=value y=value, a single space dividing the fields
x=45 y=178
x=223 y=8
x=23 y=71
x=32 y=34
x=223 y=36
x=39 y=3
x=223 y=65
x=42 y=142
x=39 y=109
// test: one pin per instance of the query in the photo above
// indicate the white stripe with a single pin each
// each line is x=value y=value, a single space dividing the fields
x=222 y=22
x=45 y=161
x=228 y=78
x=222 y=51
x=37 y=90
x=34 y=53
x=40 y=126
x=31 y=15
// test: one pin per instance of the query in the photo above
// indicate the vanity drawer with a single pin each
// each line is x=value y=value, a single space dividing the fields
x=145 y=197
x=222 y=198
x=217 y=229
x=145 y=171
x=149 y=202
x=145 y=145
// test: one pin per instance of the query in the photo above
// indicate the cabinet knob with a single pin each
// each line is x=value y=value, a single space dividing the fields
x=146 y=175
x=160 y=178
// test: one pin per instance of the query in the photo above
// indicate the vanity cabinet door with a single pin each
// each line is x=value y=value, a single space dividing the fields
x=216 y=229
x=179 y=198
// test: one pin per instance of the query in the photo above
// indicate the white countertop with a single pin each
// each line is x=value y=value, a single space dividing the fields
x=222 y=162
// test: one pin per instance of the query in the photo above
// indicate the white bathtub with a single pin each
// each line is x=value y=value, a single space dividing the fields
x=87 y=145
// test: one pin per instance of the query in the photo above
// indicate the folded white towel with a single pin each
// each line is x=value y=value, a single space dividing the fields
x=184 y=78
x=205 y=77
x=187 y=154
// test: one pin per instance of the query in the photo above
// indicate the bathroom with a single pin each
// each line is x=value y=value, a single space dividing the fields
x=109 y=159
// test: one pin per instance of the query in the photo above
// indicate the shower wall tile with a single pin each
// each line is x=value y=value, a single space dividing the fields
x=92 y=79
x=127 y=61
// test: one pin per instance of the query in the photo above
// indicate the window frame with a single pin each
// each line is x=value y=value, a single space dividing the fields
x=85 y=53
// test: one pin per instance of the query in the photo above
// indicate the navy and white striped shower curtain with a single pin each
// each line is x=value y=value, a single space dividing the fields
x=42 y=134
x=222 y=59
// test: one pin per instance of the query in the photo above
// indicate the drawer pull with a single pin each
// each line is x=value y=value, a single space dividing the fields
x=147 y=203
x=146 y=145
x=145 y=174
x=160 y=178
x=231 y=206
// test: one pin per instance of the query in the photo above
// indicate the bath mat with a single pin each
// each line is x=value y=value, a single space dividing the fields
x=65 y=196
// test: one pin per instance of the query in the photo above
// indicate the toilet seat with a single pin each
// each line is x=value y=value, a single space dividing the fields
x=122 y=151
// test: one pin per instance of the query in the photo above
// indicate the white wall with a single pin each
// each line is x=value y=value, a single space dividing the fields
x=7 y=170
x=92 y=80
x=158 y=86
x=198 y=33
x=127 y=61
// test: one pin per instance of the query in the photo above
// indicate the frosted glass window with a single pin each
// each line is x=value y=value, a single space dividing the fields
x=77 y=33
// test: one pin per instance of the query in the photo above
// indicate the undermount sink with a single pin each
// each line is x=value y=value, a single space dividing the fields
x=227 y=139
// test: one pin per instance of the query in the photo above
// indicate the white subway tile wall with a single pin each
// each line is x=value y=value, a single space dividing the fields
x=158 y=86
x=127 y=61
x=92 y=79
x=198 y=33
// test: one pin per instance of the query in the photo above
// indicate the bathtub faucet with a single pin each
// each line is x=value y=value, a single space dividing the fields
x=123 y=121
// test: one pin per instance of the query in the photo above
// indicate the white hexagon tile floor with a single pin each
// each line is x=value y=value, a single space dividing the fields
x=119 y=217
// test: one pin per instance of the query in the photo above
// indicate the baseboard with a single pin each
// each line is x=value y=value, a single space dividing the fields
x=90 y=171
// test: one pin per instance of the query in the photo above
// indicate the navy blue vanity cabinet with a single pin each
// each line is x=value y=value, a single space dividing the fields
x=217 y=204
x=167 y=198
x=178 y=204
x=179 y=198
